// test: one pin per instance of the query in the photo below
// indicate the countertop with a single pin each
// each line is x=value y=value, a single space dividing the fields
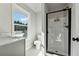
x=8 y=40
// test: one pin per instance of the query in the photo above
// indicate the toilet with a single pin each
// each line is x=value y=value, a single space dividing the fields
x=40 y=41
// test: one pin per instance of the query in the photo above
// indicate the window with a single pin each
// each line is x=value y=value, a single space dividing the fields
x=20 y=21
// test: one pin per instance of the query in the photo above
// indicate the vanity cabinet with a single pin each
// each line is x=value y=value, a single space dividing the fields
x=13 y=49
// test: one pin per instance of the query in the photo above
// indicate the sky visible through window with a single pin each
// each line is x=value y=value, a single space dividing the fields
x=18 y=16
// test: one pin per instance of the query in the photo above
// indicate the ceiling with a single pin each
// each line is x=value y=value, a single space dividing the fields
x=55 y=6
x=36 y=7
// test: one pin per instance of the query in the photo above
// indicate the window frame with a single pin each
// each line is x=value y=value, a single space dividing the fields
x=25 y=12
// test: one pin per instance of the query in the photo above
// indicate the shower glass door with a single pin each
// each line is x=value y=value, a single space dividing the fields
x=58 y=29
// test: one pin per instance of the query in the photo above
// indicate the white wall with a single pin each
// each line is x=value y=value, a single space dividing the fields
x=5 y=19
x=75 y=29
x=38 y=8
x=77 y=18
x=39 y=23
x=41 y=16
x=44 y=24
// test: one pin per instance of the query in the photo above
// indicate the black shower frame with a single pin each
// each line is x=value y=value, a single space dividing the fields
x=69 y=31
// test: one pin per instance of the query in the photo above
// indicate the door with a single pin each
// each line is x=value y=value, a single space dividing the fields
x=58 y=33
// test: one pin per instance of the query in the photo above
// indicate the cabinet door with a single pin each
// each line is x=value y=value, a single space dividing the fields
x=5 y=18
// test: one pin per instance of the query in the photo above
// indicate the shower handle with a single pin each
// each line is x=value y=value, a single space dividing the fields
x=66 y=26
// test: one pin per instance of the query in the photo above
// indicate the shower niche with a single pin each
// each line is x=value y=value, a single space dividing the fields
x=58 y=35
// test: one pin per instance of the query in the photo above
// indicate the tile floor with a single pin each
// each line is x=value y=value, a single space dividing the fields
x=34 y=52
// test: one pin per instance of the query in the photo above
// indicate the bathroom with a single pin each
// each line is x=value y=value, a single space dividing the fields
x=27 y=29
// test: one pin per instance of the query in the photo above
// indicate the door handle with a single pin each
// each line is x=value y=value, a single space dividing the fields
x=75 y=39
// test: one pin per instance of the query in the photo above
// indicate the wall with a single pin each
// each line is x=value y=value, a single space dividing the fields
x=77 y=18
x=75 y=29
x=38 y=9
x=5 y=19
x=39 y=23
x=44 y=24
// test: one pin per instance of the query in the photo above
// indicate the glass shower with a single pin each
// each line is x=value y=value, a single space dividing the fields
x=58 y=32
